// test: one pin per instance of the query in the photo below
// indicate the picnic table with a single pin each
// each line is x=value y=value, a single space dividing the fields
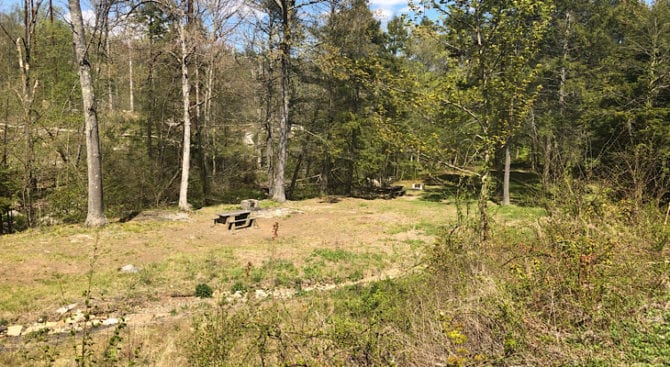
x=236 y=219
x=391 y=191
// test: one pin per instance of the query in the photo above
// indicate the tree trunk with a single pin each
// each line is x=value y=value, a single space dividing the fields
x=185 y=90
x=296 y=172
x=484 y=198
x=152 y=99
x=278 y=193
x=131 y=89
x=96 y=214
x=200 y=140
x=5 y=133
x=27 y=101
x=325 y=175
x=508 y=164
x=269 y=140
x=546 y=170
x=108 y=70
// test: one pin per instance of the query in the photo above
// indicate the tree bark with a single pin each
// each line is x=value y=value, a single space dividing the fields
x=484 y=198
x=131 y=91
x=96 y=214
x=508 y=164
x=27 y=100
x=201 y=140
x=186 y=99
x=287 y=8
x=5 y=134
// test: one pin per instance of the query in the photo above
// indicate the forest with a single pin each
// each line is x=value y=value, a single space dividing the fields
x=541 y=130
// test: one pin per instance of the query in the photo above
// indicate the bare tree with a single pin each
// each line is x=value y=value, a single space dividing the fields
x=96 y=214
x=29 y=84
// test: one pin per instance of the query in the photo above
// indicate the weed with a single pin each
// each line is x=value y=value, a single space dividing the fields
x=238 y=287
x=333 y=255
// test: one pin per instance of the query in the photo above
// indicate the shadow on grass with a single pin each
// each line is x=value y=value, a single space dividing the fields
x=525 y=188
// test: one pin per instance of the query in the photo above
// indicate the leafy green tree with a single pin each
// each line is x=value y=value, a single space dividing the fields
x=492 y=73
x=629 y=122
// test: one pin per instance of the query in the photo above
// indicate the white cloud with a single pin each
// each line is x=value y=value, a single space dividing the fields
x=87 y=15
x=384 y=10
x=387 y=4
x=382 y=14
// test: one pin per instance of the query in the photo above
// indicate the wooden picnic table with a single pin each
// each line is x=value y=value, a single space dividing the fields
x=391 y=192
x=235 y=219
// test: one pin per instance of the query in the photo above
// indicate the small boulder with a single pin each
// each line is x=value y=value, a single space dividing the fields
x=14 y=330
x=260 y=294
x=65 y=309
x=110 y=321
x=130 y=268
x=76 y=318
x=250 y=204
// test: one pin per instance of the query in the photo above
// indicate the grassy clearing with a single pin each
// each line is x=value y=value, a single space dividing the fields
x=545 y=290
x=524 y=298
x=331 y=243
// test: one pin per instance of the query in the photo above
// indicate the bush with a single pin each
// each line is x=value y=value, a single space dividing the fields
x=203 y=291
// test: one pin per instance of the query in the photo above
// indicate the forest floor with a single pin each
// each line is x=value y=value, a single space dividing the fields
x=319 y=244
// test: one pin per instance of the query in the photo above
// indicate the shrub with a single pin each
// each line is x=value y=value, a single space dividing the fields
x=203 y=291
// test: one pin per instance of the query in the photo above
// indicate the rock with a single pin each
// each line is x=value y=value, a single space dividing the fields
x=130 y=268
x=110 y=321
x=76 y=318
x=14 y=330
x=65 y=309
x=250 y=204
x=34 y=328
x=260 y=294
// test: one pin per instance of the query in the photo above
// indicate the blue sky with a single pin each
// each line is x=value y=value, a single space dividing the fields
x=386 y=9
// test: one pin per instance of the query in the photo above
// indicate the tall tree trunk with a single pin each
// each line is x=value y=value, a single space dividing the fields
x=325 y=175
x=508 y=164
x=296 y=172
x=152 y=99
x=28 y=88
x=5 y=134
x=186 y=99
x=200 y=140
x=131 y=89
x=108 y=69
x=287 y=7
x=269 y=136
x=548 y=157
x=96 y=214
x=484 y=198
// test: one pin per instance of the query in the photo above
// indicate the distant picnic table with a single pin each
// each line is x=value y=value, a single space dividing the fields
x=236 y=219
x=391 y=191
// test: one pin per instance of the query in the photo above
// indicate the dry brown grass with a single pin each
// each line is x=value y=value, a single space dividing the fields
x=44 y=269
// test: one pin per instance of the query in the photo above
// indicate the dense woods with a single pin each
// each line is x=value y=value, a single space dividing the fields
x=201 y=102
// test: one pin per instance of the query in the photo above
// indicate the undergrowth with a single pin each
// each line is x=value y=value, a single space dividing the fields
x=564 y=290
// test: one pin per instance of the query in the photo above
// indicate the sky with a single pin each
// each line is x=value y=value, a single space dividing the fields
x=384 y=10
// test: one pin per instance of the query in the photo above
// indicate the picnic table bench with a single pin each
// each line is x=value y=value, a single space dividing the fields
x=391 y=192
x=236 y=219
